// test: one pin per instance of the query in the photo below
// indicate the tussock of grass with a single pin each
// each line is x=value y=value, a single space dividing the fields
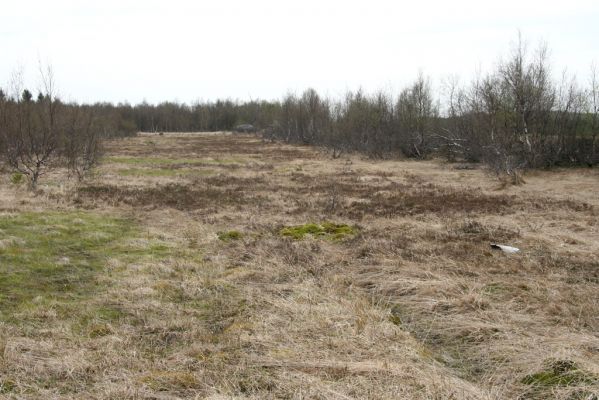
x=327 y=230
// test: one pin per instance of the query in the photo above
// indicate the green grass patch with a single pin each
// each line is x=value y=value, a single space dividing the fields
x=52 y=258
x=327 y=230
x=229 y=236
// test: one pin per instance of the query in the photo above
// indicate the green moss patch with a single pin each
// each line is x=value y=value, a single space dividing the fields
x=395 y=315
x=229 y=235
x=559 y=373
x=327 y=230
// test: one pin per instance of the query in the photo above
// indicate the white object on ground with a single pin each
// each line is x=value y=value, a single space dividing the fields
x=505 y=248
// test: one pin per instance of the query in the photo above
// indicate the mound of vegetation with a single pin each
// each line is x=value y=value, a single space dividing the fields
x=327 y=230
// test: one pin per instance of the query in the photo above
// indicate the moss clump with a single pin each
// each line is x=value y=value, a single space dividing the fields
x=328 y=230
x=229 y=235
x=395 y=317
x=559 y=373
x=299 y=231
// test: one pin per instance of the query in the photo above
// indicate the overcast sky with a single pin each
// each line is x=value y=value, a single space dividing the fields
x=119 y=50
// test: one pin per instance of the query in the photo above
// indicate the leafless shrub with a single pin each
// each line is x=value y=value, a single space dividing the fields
x=30 y=129
x=37 y=135
x=82 y=147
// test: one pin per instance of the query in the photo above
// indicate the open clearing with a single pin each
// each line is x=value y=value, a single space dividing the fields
x=218 y=266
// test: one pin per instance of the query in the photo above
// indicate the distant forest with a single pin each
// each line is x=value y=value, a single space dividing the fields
x=517 y=116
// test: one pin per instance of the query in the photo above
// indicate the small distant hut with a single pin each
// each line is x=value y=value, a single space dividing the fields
x=245 y=128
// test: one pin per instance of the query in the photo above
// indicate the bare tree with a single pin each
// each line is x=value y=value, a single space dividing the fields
x=29 y=132
x=593 y=110
x=82 y=146
x=416 y=112
x=40 y=134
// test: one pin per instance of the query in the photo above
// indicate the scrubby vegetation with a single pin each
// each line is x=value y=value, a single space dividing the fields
x=38 y=135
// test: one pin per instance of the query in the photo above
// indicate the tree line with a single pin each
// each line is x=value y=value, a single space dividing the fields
x=514 y=117
x=517 y=116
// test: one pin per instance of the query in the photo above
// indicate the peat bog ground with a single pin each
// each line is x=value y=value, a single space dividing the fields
x=220 y=266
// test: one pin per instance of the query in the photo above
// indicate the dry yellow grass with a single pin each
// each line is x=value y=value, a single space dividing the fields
x=415 y=305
